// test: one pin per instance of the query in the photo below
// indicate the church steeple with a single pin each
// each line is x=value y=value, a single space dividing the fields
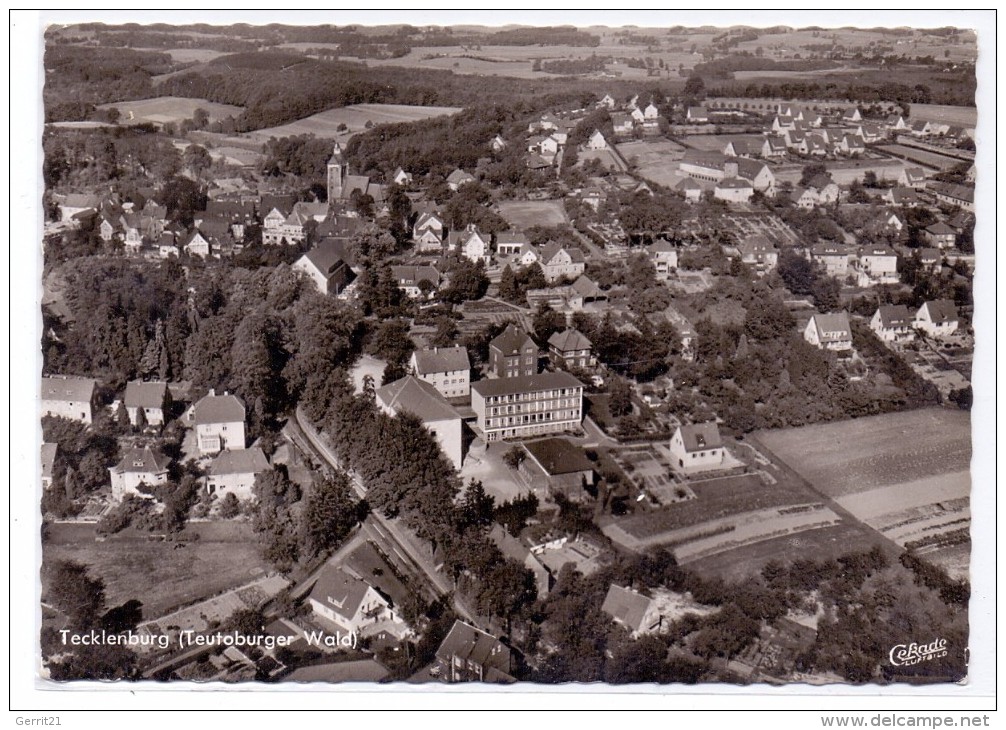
x=336 y=173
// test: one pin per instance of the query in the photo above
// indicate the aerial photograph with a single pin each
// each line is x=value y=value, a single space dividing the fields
x=547 y=354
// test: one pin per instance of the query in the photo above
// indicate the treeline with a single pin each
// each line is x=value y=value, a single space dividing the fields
x=79 y=77
x=957 y=92
x=723 y=68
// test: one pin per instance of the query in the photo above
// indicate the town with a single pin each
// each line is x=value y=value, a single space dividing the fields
x=612 y=369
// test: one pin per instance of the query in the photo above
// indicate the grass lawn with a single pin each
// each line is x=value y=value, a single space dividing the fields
x=355 y=117
x=163 y=575
x=170 y=109
x=526 y=213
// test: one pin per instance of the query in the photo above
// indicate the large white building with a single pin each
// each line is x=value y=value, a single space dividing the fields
x=421 y=399
x=219 y=421
x=447 y=369
x=528 y=405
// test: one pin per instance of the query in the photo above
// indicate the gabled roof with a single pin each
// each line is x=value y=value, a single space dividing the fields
x=915 y=173
x=904 y=195
x=415 y=396
x=213 y=408
x=412 y=275
x=145 y=395
x=687 y=184
x=733 y=183
x=876 y=251
x=832 y=327
x=757 y=244
x=829 y=249
x=661 y=245
x=749 y=169
x=243 y=461
x=586 y=287
x=512 y=341
x=953 y=190
x=941 y=311
x=339 y=591
x=459 y=176
x=356 y=182
x=551 y=249
x=525 y=384
x=853 y=140
x=700 y=436
x=428 y=220
x=326 y=257
x=511 y=237
x=569 y=339
x=442 y=360
x=820 y=182
x=509 y=545
x=67 y=388
x=698 y=111
x=620 y=119
x=558 y=456
x=777 y=143
x=471 y=644
x=929 y=255
x=894 y=316
x=142 y=461
x=941 y=229
x=281 y=203
x=626 y=606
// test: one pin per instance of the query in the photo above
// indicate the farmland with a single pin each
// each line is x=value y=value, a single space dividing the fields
x=164 y=575
x=170 y=109
x=961 y=116
x=524 y=214
x=355 y=117
x=923 y=157
x=717 y=142
x=655 y=160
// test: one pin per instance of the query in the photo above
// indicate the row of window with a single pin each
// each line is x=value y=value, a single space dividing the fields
x=546 y=405
x=532 y=418
x=530 y=430
x=533 y=396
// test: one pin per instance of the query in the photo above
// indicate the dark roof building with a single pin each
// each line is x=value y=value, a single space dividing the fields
x=471 y=655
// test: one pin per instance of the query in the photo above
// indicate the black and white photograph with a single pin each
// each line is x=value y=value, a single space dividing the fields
x=434 y=350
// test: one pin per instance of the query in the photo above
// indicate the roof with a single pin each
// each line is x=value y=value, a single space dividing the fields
x=929 y=254
x=339 y=591
x=755 y=245
x=509 y=545
x=356 y=182
x=558 y=456
x=906 y=195
x=511 y=237
x=941 y=311
x=626 y=606
x=892 y=316
x=145 y=395
x=829 y=249
x=469 y=643
x=832 y=327
x=941 y=229
x=213 y=408
x=512 y=340
x=733 y=183
x=459 y=176
x=776 y=143
x=687 y=184
x=698 y=111
x=282 y=203
x=586 y=287
x=853 y=140
x=551 y=249
x=243 y=461
x=360 y=670
x=142 y=461
x=412 y=275
x=661 y=245
x=915 y=173
x=820 y=182
x=66 y=388
x=700 y=436
x=48 y=458
x=442 y=360
x=525 y=384
x=417 y=397
x=876 y=251
x=326 y=257
x=569 y=339
x=952 y=190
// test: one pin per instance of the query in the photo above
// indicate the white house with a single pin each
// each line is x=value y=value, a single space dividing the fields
x=137 y=466
x=877 y=265
x=234 y=472
x=152 y=398
x=219 y=421
x=597 y=141
x=447 y=369
x=697 y=447
x=557 y=261
x=893 y=323
x=638 y=613
x=410 y=280
x=733 y=190
x=937 y=318
x=323 y=264
x=664 y=257
x=697 y=115
x=829 y=332
x=423 y=400
x=510 y=243
x=353 y=605
x=69 y=397
x=458 y=178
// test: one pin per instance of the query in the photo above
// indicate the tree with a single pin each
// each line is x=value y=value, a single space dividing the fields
x=447 y=332
x=200 y=118
x=619 y=397
x=514 y=456
x=230 y=506
x=811 y=171
x=508 y=285
x=477 y=506
x=197 y=159
x=695 y=86
x=330 y=514
x=468 y=281
x=642 y=660
x=547 y=322
x=70 y=589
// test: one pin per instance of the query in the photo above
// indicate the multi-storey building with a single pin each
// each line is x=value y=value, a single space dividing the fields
x=528 y=405
x=513 y=353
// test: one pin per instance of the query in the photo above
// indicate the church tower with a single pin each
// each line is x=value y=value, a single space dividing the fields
x=336 y=174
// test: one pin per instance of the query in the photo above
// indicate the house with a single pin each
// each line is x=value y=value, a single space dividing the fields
x=773 y=147
x=424 y=401
x=733 y=190
x=219 y=421
x=151 y=399
x=827 y=190
x=447 y=369
x=697 y=447
x=877 y=265
x=324 y=265
x=912 y=177
x=596 y=141
x=570 y=348
x=941 y=235
x=960 y=196
x=76 y=203
x=622 y=124
x=510 y=243
x=796 y=141
x=631 y=609
x=690 y=189
x=469 y=654
x=852 y=144
x=738 y=148
x=49 y=454
x=805 y=198
x=893 y=323
x=527 y=405
x=556 y=466
x=829 y=332
x=664 y=257
x=852 y=115
x=902 y=197
x=651 y=112
x=527 y=256
x=962 y=221
x=920 y=128
x=834 y=257
x=498 y=144
x=817 y=145
x=352 y=604
x=896 y=123
x=607 y=102
x=517 y=551
x=558 y=261
x=166 y=246
x=697 y=115
x=138 y=467
x=783 y=123
x=197 y=244
x=428 y=233
x=637 y=115
x=401 y=177
x=930 y=258
x=470 y=244
x=759 y=253
x=69 y=397
x=416 y=281
x=512 y=353
x=458 y=178
x=536 y=162
x=234 y=472
x=894 y=221
x=937 y=318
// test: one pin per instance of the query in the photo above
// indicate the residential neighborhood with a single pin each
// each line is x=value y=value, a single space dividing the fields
x=618 y=370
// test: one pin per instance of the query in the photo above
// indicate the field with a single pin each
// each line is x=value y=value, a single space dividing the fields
x=958 y=116
x=188 y=55
x=163 y=575
x=844 y=172
x=656 y=159
x=918 y=44
x=523 y=214
x=165 y=109
x=717 y=142
x=923 y=157
x=355 y=117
